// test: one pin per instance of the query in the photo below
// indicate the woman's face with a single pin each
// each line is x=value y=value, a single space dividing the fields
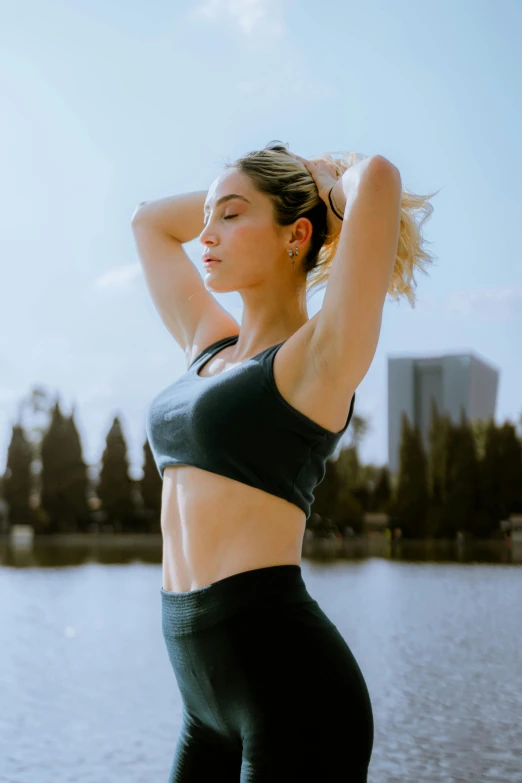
x=242 y=233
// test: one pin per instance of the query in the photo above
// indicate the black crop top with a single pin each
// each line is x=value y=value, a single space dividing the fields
x=237 y=424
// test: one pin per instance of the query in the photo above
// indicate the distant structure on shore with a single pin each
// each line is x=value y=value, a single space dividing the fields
x=453 y=381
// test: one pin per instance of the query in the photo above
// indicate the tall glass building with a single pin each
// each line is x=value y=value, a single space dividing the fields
x=454 y=381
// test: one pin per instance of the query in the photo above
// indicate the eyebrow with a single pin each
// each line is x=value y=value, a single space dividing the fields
x=226 y=198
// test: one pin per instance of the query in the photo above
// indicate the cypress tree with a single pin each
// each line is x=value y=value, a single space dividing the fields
x=151 y=487
x=62 y=478
x=511 y=477
x=410 y=503
x=382 y=492
x=326 y=492
x=461 y=490
x=438 y=438
x=115 y=486
x=492 y=507
x=351 y=492
x=18 y=478
x=78 y=478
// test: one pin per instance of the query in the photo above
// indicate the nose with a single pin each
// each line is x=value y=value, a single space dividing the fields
x=206 y=237
x=208 y=244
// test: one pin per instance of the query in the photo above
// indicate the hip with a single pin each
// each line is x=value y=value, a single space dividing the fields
x=255 y=653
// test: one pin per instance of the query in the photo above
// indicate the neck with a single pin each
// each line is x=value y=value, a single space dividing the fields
x=268 y=320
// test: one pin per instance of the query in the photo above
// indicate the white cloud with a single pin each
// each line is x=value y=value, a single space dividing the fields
x=500 y=302
x=250 y=16
x=118 y=277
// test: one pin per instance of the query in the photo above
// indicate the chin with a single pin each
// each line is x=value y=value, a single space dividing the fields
x=212 y=283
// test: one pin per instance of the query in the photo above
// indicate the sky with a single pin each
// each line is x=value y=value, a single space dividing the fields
x=106 y=105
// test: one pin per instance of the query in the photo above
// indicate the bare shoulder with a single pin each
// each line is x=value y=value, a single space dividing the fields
x=305 y=381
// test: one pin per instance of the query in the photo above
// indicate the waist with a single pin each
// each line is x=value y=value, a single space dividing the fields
x=214 y=526
x=189 y=612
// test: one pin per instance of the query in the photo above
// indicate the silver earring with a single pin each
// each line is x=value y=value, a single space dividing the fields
x=291 y=254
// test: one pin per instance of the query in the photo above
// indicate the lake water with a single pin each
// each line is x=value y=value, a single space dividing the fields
x=87 y=693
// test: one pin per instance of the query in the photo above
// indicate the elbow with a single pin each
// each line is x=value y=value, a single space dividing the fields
x=138 y=210
x=381 y=164
x=382 y=174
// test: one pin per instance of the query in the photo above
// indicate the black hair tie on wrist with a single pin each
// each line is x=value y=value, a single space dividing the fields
x=341 y=217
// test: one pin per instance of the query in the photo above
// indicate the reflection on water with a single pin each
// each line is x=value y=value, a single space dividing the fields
x=88 y=694
x=74 y=549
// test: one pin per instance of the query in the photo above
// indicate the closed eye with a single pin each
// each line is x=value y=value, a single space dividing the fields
x=225 y=217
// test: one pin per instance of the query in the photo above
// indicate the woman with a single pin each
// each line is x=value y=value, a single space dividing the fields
x=270 y=689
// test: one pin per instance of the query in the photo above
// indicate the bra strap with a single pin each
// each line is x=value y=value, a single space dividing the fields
x=214 y=348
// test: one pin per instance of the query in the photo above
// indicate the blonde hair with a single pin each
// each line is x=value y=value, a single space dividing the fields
x=277 y=173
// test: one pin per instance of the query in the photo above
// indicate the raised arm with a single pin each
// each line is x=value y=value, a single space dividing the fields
x=188 y=309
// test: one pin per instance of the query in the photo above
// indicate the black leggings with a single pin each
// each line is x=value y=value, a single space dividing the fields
x=270 y=690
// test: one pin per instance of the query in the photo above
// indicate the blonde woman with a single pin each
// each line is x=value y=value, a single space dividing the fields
x=270 y=689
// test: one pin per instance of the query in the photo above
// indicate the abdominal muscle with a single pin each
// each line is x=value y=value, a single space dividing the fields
x=214 y=527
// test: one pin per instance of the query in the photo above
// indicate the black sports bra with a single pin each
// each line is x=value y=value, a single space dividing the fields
x=237 y=424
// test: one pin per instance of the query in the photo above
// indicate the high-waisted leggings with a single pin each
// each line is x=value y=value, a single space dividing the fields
x=270 y=690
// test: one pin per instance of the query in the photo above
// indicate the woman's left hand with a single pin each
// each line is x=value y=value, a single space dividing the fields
x=325 y=177
x=323 y=174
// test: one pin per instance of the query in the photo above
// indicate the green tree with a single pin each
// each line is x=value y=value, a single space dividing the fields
x=410 y=502
x=115 y=486
x=461 y=487
x=63 y=477
x=437 y=459
x=501 y=478
x=352 y=490
x=18 y=478
x=492 y=507
x=326 y=492
x=77 y=475
x=382 y=491
x=511 y=480
x=151 y=487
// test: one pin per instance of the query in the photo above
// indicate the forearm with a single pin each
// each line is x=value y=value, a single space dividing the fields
x=179 y=216
x=346 y=185
x=338 y=196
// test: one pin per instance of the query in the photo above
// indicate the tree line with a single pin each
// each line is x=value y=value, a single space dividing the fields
x=467 y=479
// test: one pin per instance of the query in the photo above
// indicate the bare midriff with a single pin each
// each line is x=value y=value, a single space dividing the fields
x=214 y=527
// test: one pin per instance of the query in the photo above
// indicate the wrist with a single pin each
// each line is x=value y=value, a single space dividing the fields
x=338 y=198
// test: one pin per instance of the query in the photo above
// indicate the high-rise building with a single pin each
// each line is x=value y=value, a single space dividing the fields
x=453 y=381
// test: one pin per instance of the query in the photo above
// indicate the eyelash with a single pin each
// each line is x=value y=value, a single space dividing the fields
x=225 y=217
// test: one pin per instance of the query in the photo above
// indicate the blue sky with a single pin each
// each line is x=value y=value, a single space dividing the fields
x=109 y=104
